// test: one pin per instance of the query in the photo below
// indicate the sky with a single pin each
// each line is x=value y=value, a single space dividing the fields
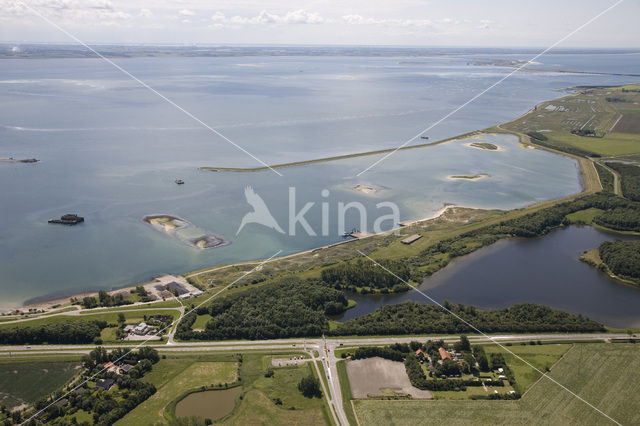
x=491 y=23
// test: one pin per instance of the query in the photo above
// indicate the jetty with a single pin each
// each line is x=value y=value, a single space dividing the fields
x=68 y=219
x=356 y=233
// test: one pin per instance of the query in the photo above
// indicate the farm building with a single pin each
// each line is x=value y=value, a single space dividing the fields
x=444 y=354
x=105 y=384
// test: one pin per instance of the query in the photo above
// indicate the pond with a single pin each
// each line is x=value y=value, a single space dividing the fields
x=213 y=404
x=544 y=270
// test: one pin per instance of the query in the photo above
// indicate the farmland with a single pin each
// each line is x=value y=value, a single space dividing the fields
x=598 y=121
x=590 y=370
x=27 y=382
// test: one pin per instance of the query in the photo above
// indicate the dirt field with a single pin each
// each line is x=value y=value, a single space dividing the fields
x=378 y=376
x=629 y=123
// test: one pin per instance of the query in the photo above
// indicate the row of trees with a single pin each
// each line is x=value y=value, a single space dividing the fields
x=105 y=300
x=414 y=318
x=383 y=352
x=71 y=331
x=100 y=356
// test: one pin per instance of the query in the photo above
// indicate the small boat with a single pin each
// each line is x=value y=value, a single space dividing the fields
x=179 y=181
x=424 y=137
x=68 y=219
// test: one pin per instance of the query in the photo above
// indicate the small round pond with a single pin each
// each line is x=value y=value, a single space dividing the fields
x=213 y=404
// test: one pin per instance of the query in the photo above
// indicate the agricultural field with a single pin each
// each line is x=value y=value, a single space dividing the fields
x=600 y=122
x=28 y=381
x=629 y=123
x=606 y=375
x=381 y=377
x=540 y=356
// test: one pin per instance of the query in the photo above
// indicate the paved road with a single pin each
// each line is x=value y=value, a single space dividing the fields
x=325 y=347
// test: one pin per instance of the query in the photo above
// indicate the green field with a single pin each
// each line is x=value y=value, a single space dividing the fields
x=584 y=216
x=173 y=376
x=606 y=375
x=609 y=112
x=201 y=322
x=540 y=356
x=258 y=407
x=194 y=376
x=27 y=382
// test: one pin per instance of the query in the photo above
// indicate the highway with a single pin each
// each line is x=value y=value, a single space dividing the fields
x=324 y=348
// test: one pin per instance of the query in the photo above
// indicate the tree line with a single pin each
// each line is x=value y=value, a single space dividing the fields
x=71 y=331
x=414 y=318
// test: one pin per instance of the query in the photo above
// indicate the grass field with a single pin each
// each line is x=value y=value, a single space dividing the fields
x=606 y=375
x=540 y=356
x=175 y=375
x=584 y=216
x=258 y=407
x=27 y=382
x=345 y=388
x=201 y=322
x=174 y=382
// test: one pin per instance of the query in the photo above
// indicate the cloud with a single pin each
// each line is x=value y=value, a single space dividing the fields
x=71 y=10
x=485 y=24
x=146 y=13
x=299 y=16
x=361 y=20
x=186 y=12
